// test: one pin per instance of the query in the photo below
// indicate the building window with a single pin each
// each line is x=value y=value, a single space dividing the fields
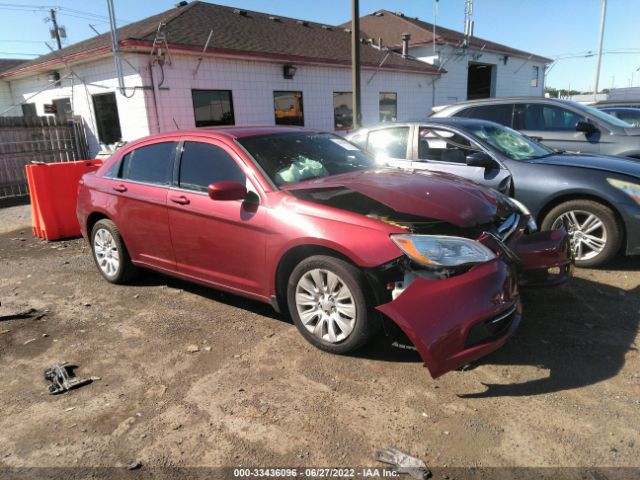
x=29 y=110
x=107 y=118
x=213 y=107
x=288 y=108
x=388 y=106
x=342 y=110
x=535 y=72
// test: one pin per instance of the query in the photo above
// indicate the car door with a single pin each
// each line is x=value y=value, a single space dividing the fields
x=555 y=126
x=390 y=145
x=443 y=150
x=218 y=242
x=139 y=184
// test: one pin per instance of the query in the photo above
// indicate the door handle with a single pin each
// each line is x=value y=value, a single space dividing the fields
x=120 y=188
x=179 y=199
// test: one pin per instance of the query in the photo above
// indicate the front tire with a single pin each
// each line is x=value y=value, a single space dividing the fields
x=597 y=234
x=110 y=254
x=330 y=304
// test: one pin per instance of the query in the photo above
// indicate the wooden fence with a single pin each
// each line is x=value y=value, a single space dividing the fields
x=36 y=139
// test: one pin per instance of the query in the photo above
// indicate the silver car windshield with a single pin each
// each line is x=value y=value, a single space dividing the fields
x=509 y=142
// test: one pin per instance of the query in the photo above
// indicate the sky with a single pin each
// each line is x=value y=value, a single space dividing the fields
x=563 y=29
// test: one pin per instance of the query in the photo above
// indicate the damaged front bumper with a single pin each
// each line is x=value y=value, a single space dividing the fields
x=542 y=258
x=545 y=258
x=456 y=320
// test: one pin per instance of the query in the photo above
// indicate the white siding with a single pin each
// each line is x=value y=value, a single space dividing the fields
x=512 y=79
x=253 y=83
x=5 y=97
x=97 y=77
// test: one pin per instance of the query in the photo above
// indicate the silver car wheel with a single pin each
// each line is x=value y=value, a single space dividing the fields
x=325 y=305
x=588 y=231
x=106 y=252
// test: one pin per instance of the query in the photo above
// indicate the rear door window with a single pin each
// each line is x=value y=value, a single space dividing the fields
x=390 y=142
x=149 y=164
x=203 y=164
x=495 y=113
x=532 y=116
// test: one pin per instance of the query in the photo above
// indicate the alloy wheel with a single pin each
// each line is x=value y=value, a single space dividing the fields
x=106 y=252
x=589 y=234
x=325 y=305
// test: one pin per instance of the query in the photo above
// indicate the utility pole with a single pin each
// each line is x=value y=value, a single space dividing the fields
x=115 y=46
x=355 y=63
x=602 y=17
x=56 y=32
x=435 y=20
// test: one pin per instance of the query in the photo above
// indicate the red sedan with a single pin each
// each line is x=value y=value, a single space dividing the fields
x=306 y=221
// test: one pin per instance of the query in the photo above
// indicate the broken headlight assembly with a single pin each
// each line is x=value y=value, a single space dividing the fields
x=438 y=251
x=531 y=224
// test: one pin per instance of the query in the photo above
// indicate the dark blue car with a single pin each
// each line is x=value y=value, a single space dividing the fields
x=598 y=196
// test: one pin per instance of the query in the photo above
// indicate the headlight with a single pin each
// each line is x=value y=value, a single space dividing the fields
x=442 y=251
x=631 y=189
x=531 y=224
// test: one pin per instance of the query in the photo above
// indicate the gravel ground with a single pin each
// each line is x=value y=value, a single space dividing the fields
x=563 y=393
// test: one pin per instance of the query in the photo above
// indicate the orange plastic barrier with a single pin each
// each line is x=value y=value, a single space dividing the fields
x=53 y=188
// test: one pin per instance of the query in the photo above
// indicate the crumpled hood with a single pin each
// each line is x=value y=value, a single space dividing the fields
x=425 y=194
x=605 y=163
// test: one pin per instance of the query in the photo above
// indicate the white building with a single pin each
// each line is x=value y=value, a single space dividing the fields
x=256 y=69
x=473 y=67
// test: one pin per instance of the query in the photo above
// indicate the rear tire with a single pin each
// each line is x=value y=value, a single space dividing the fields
x=598 y=233
x=110 y=254
x=330 y=304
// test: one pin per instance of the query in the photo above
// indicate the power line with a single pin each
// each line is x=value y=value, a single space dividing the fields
x=72 y=12
x=21 y=53
x=23 y=41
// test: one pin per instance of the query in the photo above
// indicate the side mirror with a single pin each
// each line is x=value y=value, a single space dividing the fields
x=480 y=159
x=586 y=127
x=227 y=191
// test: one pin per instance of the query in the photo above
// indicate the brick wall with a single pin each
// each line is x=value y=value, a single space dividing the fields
x=253 y=83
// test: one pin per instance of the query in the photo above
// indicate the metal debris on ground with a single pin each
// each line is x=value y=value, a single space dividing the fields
x=404 y=463
x=63 y=378
x=134 y=465
x=31 y=314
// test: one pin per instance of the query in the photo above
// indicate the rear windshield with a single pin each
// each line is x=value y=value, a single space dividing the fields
x=296 y=156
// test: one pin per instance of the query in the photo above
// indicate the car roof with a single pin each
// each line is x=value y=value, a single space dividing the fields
x=500 y=100
x=230 y=131
x=237 y=131
x=445 y=121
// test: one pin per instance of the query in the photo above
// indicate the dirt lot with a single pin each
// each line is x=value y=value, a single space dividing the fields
x=564 y=392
